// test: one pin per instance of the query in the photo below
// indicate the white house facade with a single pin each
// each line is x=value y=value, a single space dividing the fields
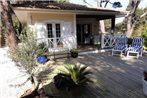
x=64 y=26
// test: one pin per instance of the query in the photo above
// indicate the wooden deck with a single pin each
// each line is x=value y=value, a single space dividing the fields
x=113 y=77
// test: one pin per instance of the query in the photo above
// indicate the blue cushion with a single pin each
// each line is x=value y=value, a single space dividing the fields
x=42 y=59
x=134 y=49
x=120 y=43
x=119 y=47
x=136 y=45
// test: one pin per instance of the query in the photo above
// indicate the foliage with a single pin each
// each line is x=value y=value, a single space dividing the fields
x=42 y=49
x=63 y=1
x=72 y=76
x=74 y=50
x=63 y=81
x=16 y=24
x=6 y=13
x=144 y=35
x=140 y=29
x=25 y=55
x=2 y=34
x=78 y=74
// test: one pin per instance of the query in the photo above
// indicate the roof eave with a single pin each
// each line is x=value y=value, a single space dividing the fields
x=100 y=11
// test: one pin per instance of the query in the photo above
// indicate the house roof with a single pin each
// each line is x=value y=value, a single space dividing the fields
x=47 y=5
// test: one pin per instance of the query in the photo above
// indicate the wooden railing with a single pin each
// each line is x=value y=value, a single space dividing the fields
x=108 y=40
x=56 y=44
x=52 y=42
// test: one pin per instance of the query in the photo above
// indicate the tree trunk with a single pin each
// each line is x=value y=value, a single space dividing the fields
x=129 y=25
x=130 y=22
x=7 y=19
x=33 y=92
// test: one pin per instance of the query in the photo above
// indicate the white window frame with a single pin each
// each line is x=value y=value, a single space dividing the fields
x=54 y=31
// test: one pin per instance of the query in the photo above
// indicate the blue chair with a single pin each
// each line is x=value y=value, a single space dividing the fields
x=120 y=45
x=136 y=47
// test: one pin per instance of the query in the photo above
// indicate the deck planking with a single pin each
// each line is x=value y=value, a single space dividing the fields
x=125 y=84
x=113 y=77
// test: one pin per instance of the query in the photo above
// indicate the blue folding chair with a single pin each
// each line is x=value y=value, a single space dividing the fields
x=120 y=45
x=136 y=47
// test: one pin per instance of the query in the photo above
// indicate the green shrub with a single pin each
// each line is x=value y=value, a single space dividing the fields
x=74 y=50
x=25 y=56
x=78 y=74
x=42 y=49
x=72 y=76
x=63 y=81
x=144 y=35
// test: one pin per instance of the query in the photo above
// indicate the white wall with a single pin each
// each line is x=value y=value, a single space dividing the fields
x=68 y=36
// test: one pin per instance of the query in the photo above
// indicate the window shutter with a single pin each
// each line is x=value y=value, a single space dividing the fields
x=41 y=31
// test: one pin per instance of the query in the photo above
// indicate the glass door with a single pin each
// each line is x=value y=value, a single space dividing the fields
x=54 y=33
x=83 y=34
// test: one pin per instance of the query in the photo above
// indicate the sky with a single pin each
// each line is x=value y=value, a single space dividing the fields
x=124 y=3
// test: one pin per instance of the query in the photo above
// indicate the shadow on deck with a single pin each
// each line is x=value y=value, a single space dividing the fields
x=113 y=76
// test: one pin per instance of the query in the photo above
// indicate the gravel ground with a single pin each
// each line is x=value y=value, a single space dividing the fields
x=10 y=76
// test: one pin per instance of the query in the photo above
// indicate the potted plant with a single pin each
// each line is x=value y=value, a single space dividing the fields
x=73 y=79
x=41 y=53
x=74 y=52
x=25 y=59
x=63 y=81
x=145 y=82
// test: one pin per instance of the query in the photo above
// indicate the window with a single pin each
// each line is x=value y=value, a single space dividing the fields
x=50 y=30
x=58 y=30
x=54 y=32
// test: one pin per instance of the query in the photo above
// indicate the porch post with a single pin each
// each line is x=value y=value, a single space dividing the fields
x=112 y=25
x=75 y=31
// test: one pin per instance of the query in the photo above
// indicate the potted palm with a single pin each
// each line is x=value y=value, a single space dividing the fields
x=73 y=78
x=145 y=83
x=74 y=52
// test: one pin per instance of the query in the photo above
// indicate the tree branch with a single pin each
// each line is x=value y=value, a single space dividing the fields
x=87 y=3
x=136 y=21
x=135 y=5
x=143 y=14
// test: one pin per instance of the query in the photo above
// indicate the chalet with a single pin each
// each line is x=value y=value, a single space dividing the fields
x=65 y=25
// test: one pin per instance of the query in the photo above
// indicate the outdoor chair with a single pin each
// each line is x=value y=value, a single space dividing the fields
x=136 y=47
x=120 y=45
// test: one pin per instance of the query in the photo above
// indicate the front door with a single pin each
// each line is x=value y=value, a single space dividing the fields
x=54 y=33
x=83 y=34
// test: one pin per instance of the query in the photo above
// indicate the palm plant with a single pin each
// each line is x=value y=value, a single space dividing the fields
x=72 y=79
x=78 y=74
